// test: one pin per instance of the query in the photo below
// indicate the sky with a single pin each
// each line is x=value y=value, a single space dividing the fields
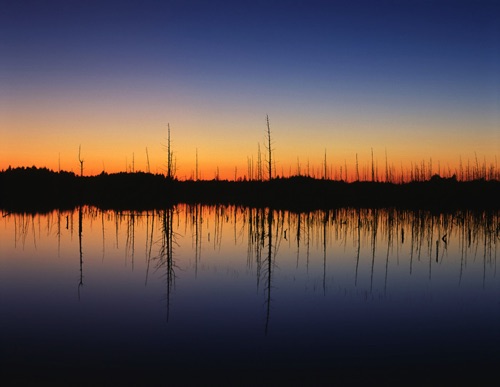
x=413 y=80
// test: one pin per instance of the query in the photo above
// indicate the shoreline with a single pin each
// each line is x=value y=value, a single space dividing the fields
x=40 y=189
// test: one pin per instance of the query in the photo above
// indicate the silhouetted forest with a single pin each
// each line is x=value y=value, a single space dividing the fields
x=41 y=189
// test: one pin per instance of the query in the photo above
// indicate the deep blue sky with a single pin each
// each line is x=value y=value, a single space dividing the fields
x=413 y=77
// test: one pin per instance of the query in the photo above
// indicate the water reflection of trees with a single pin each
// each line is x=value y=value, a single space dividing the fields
x=165 y=259
x=194 y=218
x=159 y=240
x=426 y=234
x=368 y=241
x=265 y=233
x=80 y=234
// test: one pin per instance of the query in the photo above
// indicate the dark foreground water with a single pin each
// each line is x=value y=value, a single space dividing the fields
x=225 y=295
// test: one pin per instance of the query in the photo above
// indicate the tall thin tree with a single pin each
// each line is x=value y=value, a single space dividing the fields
x=386 y=167
x=325 y=166
x=373 y=168
x=196 y=174
x=170 y=168
x=357 y=168
x=80 y=160
x=259 y=163
x=147 y=158
x=269 y=149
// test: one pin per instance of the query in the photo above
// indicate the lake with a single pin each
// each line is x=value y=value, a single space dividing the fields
x=236 y=295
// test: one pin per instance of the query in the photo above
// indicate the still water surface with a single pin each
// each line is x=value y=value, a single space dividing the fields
x=227 y=292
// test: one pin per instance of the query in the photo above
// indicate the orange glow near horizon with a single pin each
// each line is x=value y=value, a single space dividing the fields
x=227 y=146
x=244 y=166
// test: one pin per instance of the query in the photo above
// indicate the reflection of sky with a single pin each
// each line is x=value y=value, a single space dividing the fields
x=122 y=242
x=418 y=79
x=217 y=307
x=114 y=241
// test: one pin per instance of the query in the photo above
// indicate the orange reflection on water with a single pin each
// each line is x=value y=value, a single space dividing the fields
x=345 y=247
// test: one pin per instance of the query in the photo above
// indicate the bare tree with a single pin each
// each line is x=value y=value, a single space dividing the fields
x=249 y=168
x=269 y=149
x=196 y=174
x=170 y=164
x=386 y=167
x=259 y=163
x=325 y=166
x=357 y=168
x=373 y=168
x=80 y=160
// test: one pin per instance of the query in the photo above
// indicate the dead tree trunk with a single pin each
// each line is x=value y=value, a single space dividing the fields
x=80 y=160
x=269 y=149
